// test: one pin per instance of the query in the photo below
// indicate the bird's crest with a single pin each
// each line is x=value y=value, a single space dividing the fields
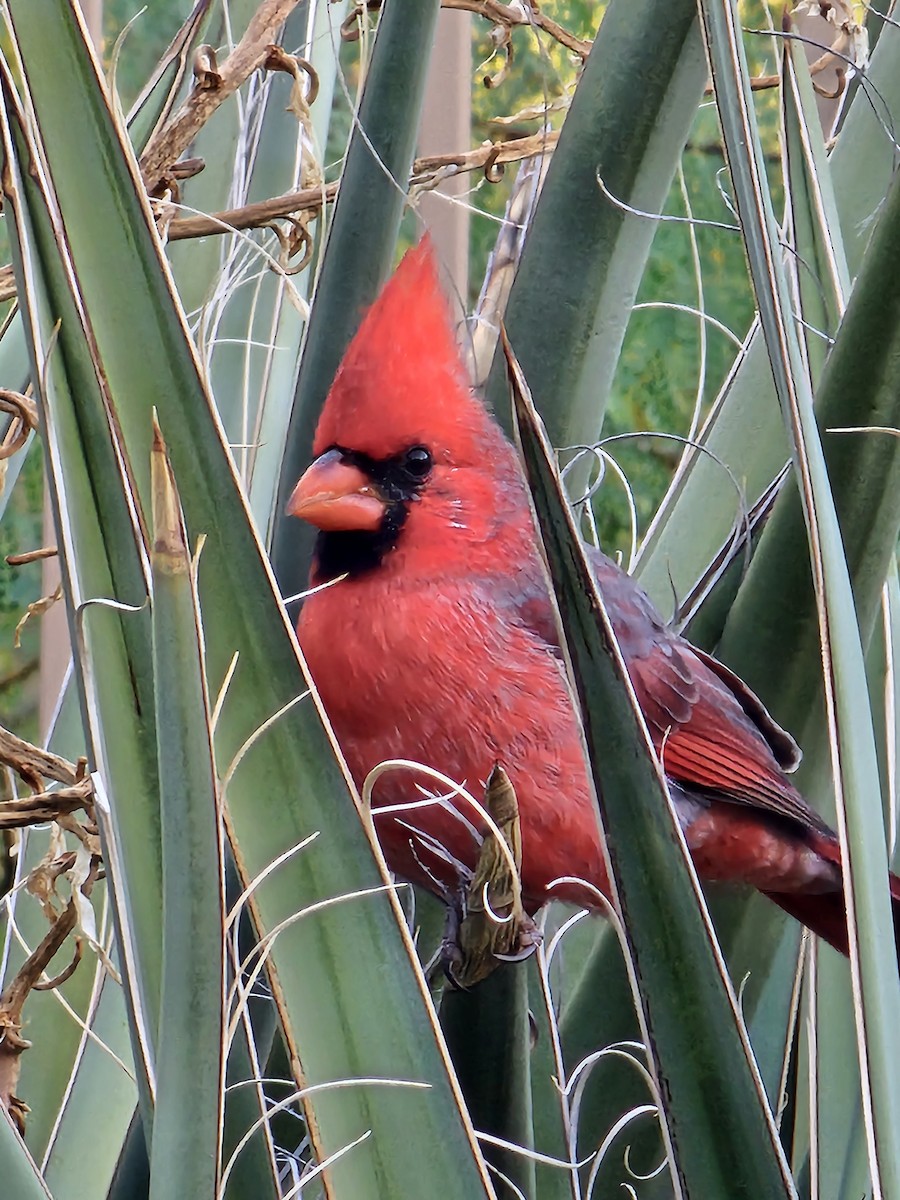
x=402 y=381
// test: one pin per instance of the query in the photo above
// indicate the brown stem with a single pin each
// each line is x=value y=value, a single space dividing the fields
x=30 y=556
x=24 y=414
x=44 y=806
x=16 y=993
x=33 y=764
x=250 y=53
x=11 y=1041
x=502 y=14
x=427 y=172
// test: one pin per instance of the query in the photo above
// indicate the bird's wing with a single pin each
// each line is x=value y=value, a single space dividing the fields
x=713 y=735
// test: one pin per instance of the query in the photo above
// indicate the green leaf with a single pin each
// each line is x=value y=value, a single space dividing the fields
x=720 y=1130
x=488 y=1034
x=91 y=513
x=20 y=1174
x=818 y=267
x=99 y=1103
x=745 y=431
x=184 y=1158
x=853 y=755
x=159 y=95
x=253 y=323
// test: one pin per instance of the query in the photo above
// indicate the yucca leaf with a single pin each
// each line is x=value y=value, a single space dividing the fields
x=718 y=1126
x=849 y=719
x=863 y=160
x=189 y=1095
x=839 y=1163
x=860 y=387
x=159 y=95
x=56 y=1039
x=90 y=508
x=744 y=430
x=884 y=683
x=253 y=322
x=488 y=1034
x=19 y=1172
x=819 y=267
x=99 y=1105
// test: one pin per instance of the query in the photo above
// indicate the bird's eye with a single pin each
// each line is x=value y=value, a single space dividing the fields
x=417 y=462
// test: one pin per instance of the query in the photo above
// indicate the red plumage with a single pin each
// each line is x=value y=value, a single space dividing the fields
x=440 y=645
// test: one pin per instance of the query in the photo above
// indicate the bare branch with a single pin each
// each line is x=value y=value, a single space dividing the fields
x=427 y=173
x=523 y=14
x=504 y=16
x=11 y=1041
x=33 y=765
x=211 y=90
x=45 y=806
x=30 y=556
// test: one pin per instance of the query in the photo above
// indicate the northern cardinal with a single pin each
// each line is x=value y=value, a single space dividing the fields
x=440 y=644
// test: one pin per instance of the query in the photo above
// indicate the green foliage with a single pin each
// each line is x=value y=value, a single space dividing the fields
x=350 y=1001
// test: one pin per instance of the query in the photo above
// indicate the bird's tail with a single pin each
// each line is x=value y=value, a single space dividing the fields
x=825 y=913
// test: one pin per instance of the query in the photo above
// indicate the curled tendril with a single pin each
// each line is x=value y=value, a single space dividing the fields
x=312 y=75
x=350 y=25
x=278 y=59
x=298 y=241
x=501 y=36
x=25 y=419
x=494 y=170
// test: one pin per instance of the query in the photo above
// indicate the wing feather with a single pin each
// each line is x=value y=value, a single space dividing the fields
x=714 y=735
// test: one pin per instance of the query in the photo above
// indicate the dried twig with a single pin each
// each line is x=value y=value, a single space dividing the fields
x=500 y=15
x=30 y=556
x=523 y=13
x=250 y=216
x=430 y=171
x=758 y=83
x=45 y=806
x=212 y=88
x=34 y=765
x=426 y=173
x=36 y=609
x=11 y=1041
x=28 y=979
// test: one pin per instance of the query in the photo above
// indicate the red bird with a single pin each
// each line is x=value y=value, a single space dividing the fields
x=439 y=645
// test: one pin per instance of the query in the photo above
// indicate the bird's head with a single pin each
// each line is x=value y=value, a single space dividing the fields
x=407 y=459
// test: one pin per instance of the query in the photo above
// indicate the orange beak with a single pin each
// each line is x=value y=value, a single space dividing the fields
x=334 y=495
